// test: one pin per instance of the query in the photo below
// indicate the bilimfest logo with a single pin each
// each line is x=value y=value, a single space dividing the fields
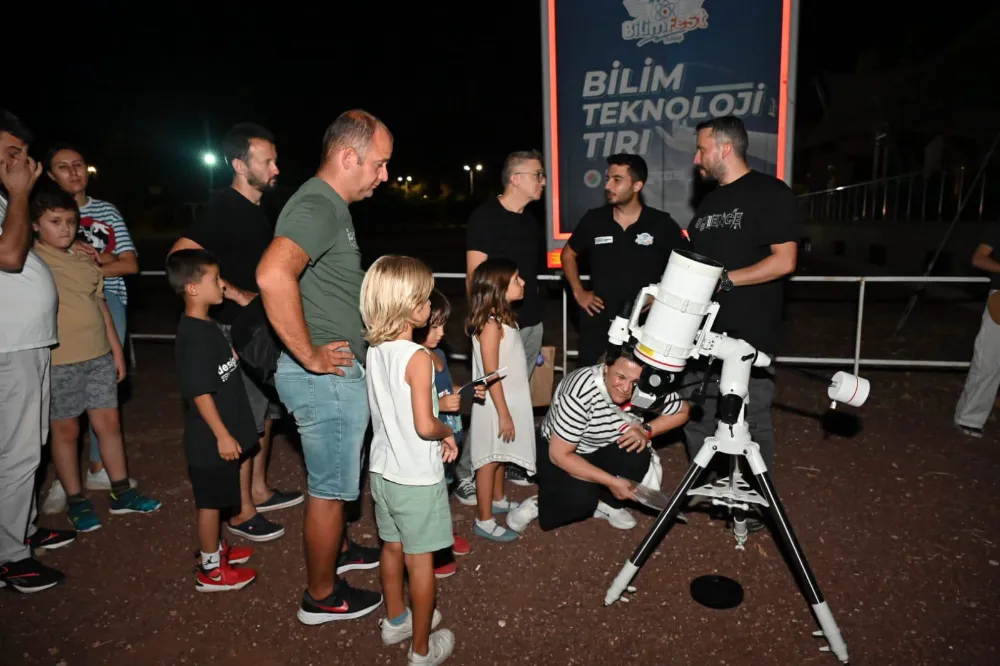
x=662 y=21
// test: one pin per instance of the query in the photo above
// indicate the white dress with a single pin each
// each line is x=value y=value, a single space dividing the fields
x=484 y=429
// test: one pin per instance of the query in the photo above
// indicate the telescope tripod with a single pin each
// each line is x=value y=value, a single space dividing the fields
x=733 y=492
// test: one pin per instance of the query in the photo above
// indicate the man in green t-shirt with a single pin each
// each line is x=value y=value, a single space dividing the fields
x=310 y=282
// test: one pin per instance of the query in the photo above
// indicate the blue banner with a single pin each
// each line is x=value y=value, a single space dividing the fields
x=637 y=76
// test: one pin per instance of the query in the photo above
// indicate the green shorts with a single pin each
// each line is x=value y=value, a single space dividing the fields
x=418 y=516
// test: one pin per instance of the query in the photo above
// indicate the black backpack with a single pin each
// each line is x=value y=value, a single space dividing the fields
x=256 y=343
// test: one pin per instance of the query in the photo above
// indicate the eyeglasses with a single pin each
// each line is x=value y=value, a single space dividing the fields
x=540 y=175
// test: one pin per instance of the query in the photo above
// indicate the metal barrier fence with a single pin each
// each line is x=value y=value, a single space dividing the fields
x=856 y=362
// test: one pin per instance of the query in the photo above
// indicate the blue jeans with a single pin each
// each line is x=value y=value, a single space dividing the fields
x=117 y=310
x=331 y=413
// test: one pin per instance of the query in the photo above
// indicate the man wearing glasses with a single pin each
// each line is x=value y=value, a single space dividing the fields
x=501 y=227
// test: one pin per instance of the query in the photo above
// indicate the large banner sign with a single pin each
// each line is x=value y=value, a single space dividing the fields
x=637 y=76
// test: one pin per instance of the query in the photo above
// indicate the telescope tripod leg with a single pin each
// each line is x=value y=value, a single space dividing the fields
x=783 y=526
x=655 y=534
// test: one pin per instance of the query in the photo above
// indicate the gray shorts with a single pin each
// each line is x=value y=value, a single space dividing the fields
x=261 y=405
x=79 y=387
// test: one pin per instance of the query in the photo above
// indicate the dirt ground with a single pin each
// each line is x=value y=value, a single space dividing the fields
x=895 y=510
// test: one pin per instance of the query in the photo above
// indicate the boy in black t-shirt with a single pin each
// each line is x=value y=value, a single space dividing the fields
x=219 y=430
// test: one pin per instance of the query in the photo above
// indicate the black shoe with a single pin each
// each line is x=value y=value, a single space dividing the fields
x=281 y=500
x=518 y=476
x=46 y=539
x=257 y=529
x=29 y=575
x=346 y=603
x=357 y=558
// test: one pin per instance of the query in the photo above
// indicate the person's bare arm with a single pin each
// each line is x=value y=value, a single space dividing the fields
x=18 y=177
x=667 y=422
x=229 y=448
x=983 y=260
x=489 y=342
x=590 y=302
x=116 y=265
x=232 y=292
x=781 y=262
x=278 y=278
x=420 y=375
x=472 y=260
x=117 y=353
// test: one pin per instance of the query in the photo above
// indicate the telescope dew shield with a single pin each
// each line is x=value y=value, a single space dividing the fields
x=680 y=303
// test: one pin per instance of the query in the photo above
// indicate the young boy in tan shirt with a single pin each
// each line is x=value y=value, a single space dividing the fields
x=87 y=364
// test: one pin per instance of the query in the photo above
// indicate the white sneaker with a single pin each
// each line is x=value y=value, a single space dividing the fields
x=100 y=480
x=55 y=500
x=392 y=634
x=526 y=512
x=439 y=647
x=619 y=518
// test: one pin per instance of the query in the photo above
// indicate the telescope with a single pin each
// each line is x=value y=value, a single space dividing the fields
x=679 y=315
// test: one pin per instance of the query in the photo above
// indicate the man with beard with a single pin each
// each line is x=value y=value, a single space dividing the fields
x=235 y=229
x=751 y=224
x=628 y=245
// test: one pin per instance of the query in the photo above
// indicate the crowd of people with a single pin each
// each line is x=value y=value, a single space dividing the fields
x=285 y=319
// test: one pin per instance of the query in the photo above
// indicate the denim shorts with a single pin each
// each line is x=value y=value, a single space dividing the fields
x=331 y=413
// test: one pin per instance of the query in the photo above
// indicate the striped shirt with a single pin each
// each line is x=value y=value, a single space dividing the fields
x=581 y=415
x=103 y=227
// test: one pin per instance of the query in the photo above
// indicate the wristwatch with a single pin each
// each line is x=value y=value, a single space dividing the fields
x=725 y=284
x=648 y=429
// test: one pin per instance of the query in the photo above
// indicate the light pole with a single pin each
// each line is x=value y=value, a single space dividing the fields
x=210 y=160
x=479 y=167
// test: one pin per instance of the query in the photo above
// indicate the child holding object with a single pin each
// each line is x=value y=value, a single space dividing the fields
x=503 y=427
x=219 y=430
x=409 y=448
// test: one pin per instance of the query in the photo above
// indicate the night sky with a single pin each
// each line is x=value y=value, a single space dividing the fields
x=143 y=95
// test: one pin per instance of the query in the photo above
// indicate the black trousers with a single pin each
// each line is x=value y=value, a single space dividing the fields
x=593 y=335
x=563 y=499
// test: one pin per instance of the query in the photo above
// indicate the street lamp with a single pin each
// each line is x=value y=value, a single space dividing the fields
x=92 y=170
x=210 y=160
x=479 y=167
x=409 y=179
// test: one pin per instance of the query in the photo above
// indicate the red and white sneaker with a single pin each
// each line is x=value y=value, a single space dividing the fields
x=446 y=570
x=235 y=554
x=461 y=546
x=224 y=578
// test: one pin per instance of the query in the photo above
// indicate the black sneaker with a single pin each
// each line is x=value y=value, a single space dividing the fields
x=257 y=529
x=29 y=575
x=346 y=603
x=465 y=492
x=281 y=500
x=518 y=476
x=357 y=558
x=46 y=539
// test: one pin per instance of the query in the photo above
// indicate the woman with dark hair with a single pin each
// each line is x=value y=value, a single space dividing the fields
x=593 y=447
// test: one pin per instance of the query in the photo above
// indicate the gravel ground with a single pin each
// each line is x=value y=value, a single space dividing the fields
x=896 y=514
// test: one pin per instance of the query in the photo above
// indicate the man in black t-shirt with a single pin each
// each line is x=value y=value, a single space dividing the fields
x=750 y=224
x=980 y=392
x=236 y=231
x=628 y=245
x=501 y=227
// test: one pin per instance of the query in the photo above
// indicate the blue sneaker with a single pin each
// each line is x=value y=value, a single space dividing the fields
x=132 y=502
x=83 y=517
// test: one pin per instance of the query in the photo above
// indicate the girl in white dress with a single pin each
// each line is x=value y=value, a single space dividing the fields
x=503 y=426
